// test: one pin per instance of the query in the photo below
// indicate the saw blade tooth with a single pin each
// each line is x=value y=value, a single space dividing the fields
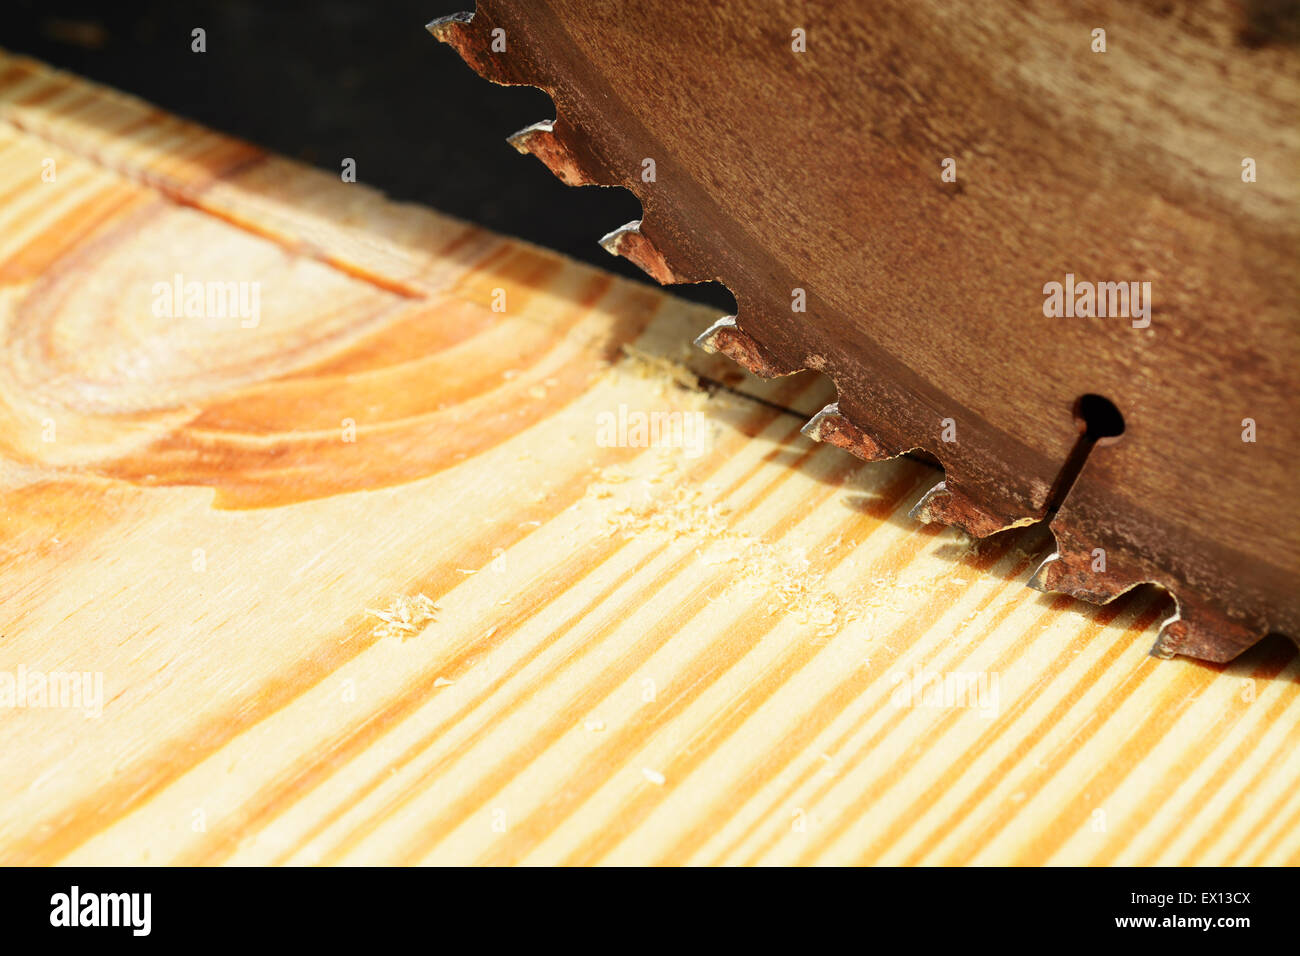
x=830 y=426
x=1198 y=629
x=551 y=141
x=632 y=244
x=946 y=504
x=445 y=29
x=464 y=34
x=726 y=338
x=1074 y=572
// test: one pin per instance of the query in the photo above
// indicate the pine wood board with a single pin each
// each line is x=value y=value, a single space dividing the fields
x=638 y=655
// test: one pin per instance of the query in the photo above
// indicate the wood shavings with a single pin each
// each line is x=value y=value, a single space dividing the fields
x=606 y=480
x=680 y=514
x=658 y=368
x=782 y=573
x=404 y=617
x=785 y=574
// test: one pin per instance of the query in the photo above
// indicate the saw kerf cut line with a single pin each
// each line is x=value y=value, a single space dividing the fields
x=969 y=217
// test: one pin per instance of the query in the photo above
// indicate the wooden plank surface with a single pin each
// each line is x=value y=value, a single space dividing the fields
x=380 y=578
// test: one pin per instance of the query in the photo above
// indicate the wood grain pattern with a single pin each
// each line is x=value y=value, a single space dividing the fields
x=638 y=655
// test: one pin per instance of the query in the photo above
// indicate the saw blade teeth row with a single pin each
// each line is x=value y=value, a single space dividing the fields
x=562 y=149
x=1198 y=629
x=942 y=504
x=565 y=152
x=554 y=142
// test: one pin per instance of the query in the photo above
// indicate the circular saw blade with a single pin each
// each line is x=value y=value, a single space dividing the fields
x=970 y=217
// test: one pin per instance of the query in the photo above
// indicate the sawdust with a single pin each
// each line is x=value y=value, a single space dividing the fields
x=659 y=498
x=680 y=513
x=781 y=574
x=657 y=368
x=786 y=574
x=404 y=617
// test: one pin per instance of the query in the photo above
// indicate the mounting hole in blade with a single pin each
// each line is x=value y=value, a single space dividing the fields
x=1098 y=419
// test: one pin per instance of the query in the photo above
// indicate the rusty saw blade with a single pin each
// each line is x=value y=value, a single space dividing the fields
x=1052 y=245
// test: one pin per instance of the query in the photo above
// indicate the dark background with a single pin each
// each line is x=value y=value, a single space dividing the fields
x=325 y=80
